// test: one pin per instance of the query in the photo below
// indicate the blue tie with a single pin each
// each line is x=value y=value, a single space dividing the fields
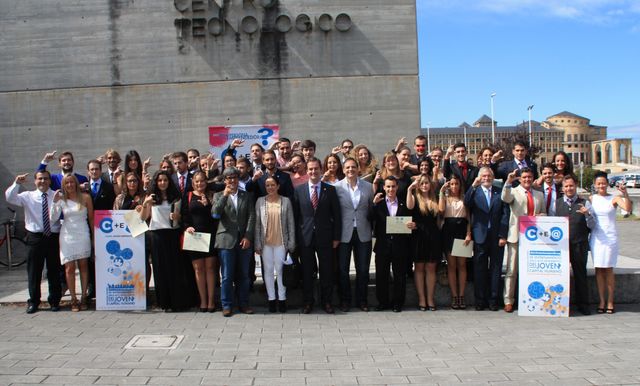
x=94 y=189
x=487 y=194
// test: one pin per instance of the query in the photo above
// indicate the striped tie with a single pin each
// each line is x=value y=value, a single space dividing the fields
x=46 y=224
x=314 y=197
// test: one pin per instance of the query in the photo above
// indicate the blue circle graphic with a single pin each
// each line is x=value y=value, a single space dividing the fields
x=555 y=234
x=113 y=247
x=536 y=290
x=531 y=233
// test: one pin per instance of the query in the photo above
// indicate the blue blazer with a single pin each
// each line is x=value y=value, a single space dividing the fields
x=497 y=214
x=506 y=167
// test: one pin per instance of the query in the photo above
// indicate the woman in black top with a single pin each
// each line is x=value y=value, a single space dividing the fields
x=196 y=215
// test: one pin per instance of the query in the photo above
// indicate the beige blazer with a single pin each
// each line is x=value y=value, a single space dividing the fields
x=286 y=222
x=517 y=200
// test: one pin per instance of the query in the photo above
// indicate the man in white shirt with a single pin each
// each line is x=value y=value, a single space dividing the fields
x=549 y=188
x=42 y=237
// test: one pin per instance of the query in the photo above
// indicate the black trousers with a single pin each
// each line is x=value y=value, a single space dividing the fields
x=578 y=255
x=324 y=265
x=396 y=260
x=43 y=250
x=487 y=269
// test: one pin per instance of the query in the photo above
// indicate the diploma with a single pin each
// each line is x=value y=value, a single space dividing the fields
x=398 y=224
x=461 y=250
x=137 y=226
x=198 y=241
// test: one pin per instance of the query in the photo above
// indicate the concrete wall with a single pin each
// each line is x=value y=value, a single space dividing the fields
x=85 y=76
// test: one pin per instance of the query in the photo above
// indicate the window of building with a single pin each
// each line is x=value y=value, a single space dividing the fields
x=568 y=137
x=568 y=145
x=582 y=137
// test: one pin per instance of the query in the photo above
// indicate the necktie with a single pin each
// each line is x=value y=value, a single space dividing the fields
x=94 y=189
x=487 y=193
x=182 y=183
x=530 y=204
x=46 y=224
x=520 y=165
x=314 y=197
x=111 y=177
x=463 y=168
x=549 y=194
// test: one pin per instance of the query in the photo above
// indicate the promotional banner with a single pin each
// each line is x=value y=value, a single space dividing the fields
x=220 y=137
x=120 y=263
x=543 y=266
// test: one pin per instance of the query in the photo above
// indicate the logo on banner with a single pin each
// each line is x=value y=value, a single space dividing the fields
x=550 y=299
x=555 y=234
x=107 y=225
x=531 y=233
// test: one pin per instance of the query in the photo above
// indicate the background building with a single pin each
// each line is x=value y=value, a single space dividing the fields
x=152 y=75
x=579 y=134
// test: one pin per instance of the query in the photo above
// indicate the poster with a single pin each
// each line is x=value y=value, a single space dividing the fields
x=220 y=137
x=120 y=263
x=543 y=266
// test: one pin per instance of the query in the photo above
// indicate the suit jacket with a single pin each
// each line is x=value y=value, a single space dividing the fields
x=482 y=215
x=517 y=200
x=105 y=197
x=452 y=168
x=579 y=225
x=385 y=243
x=362 y=213
x=287 y=223
x=234 y=224
x=188 y=186
x=324 y=223
x=506 y=167
x=285 y=189
x=559 y=194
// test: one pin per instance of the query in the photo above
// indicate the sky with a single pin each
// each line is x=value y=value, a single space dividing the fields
x=582 y=56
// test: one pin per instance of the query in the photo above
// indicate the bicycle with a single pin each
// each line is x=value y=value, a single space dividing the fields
x=13 y=250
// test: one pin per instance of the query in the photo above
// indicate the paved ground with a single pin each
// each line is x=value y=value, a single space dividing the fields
x=442 y=347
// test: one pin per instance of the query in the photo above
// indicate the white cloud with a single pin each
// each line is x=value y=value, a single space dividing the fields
x=589 y=11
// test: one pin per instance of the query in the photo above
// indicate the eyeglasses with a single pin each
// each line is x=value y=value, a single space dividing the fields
x=132 y=181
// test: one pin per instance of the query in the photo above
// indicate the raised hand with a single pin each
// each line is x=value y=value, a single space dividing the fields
x=512 y=176
x=21 y=178
x=57 y=196
x=378 y=198
x=146 y=164
x=236 y=143
x=48 y=157
x=477 y=182
x=497 y=156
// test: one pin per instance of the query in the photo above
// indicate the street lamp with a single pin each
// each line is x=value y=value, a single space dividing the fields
x=465 y=136
x=530 y=135
x=428 y=137
x=493 y=125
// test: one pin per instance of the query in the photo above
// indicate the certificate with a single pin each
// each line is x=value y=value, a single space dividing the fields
x=136 y=225
x=198 y=241
x=398 y=224
x=461 y=250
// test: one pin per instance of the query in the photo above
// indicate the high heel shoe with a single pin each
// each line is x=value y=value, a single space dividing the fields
x=455 y=305
x=461 y=303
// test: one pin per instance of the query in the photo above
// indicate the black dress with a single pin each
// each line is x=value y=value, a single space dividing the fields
x=198 y=216
x=426 y=238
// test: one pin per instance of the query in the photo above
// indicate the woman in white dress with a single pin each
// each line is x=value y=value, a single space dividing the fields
x=75 y=235
x=604 y=238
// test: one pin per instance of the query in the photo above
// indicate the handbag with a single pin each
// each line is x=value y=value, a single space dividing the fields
x=292 y=273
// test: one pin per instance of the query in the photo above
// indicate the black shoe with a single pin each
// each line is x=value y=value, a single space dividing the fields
x=584 y=310
x=381 y=307
x=282 y=306
x=364 y=308
x=32 y=309
x=480 y=307
x=307 y=309
x=55 y=308
x=328 y=309
x=494 y=307
x=272 y=306
x=344 y=307
x=397 y=309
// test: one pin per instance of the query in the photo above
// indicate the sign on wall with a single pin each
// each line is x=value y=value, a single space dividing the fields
x=543 y=266
x=220 y=137
x=120 y=263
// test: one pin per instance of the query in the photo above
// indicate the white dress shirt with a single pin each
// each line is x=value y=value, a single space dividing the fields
x=31 y=201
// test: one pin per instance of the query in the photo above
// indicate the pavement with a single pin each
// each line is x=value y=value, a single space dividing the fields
x=442 y=347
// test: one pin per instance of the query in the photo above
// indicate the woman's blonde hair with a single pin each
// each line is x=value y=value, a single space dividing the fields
x=384 y=172
x=79 y=196
x=372 y=163
x=427 y=205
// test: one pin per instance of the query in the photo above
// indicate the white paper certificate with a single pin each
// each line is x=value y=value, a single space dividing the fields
x=398 y=224
x=198 y=241
x=136 y=225
x=460 y=250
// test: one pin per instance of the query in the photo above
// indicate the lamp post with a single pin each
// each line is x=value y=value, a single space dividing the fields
x=530 y=135
x=465 y=136
x=493 y=125
x=428 y=137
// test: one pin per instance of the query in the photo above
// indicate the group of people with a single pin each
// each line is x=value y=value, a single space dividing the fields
x=285 y=205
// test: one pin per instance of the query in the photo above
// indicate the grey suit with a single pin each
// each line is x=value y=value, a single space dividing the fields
x=235 y=224
x=356 y=238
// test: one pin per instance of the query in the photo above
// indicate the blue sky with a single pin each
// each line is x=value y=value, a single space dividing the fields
x=582 y=56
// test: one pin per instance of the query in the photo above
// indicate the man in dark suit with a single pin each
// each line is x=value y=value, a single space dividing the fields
x=581 y=221
x=182 y=177
x=317 y=212
x=270 y=162
x=520 y=161
x=490 y=227
x=112 y=158
x=234 y=237
x=460 y=167
x=103 y=196
x=547 y=185
x=392 y=250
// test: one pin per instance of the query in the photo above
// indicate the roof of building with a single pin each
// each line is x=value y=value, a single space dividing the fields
x=567 y=114
x=535 y=127
x=483 y=119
